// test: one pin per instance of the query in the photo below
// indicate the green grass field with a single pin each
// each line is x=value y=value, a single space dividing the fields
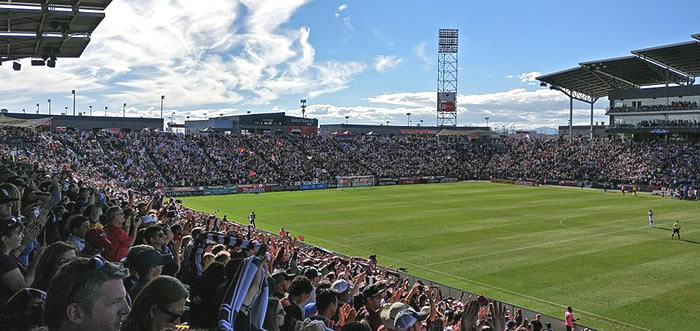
x=543 y=248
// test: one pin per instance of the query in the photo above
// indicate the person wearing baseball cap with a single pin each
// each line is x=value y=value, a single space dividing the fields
x=389 y=313
x=6 y=199
x=148 y=264
x=95 y=243
x=343 y=289
x=409 y=320
x=370 y=311
x=282 y=281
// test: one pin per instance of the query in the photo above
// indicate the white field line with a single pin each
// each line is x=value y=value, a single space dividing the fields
x=540 y=245
x=486 y=285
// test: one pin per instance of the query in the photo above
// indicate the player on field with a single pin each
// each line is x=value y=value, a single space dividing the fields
x=251 y=218
x=651 y=218
x=634 y=190
x=676 y=229
x=622 y=188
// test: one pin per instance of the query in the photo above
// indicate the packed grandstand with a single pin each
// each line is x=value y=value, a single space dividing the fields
x=99 y=196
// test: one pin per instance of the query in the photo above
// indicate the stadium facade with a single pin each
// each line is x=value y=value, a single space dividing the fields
x=398 y=130
x=268 y=123
x=61 y=122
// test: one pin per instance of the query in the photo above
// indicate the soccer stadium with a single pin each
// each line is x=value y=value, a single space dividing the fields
x=183 y=212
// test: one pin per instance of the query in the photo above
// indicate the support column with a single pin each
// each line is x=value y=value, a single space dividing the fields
x=571 y=119
x=592 y=120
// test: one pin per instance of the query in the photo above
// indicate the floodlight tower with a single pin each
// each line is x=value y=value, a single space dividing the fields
x=447 y=77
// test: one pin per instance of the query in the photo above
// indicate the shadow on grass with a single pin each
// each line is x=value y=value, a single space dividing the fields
x=671 y=230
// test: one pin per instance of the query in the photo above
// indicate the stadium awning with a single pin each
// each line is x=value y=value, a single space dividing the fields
x=684 y=57
x=583 y=84
x=635 y=71
x=37 y=29
x=696 y=36
x=96 y=4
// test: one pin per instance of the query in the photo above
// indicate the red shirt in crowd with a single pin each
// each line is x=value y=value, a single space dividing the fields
x=120 y=243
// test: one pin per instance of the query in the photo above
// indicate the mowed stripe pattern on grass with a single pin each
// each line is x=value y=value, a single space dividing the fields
x=542 y=248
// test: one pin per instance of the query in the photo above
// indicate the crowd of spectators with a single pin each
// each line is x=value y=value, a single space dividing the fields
x=668 y=123
x=674 y=105
x=151 y=160
x=79 y=253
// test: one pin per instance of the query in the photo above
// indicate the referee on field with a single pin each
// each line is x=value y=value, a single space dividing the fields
x=676 y=230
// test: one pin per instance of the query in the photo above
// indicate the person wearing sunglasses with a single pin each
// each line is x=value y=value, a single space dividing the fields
x=159 y=306
x=87 y=294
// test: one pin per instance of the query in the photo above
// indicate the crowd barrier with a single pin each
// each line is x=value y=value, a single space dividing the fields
x=449 y=291
x=262 y=188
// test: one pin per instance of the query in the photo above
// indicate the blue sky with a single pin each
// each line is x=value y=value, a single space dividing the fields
x=370 y=60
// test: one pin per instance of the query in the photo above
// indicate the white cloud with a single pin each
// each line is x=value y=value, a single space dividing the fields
x=528 y=78
x=342 y=7
x=348 y=23
x=337 y=15
x=520 y=108
x=419 y=51
x=384 y=63
x=194 y=55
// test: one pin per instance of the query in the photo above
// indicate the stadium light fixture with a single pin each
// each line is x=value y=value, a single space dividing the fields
x=408 y=119
x=49 y=106
x=73 y=92
x=37 y=108
x=347 y=118
x=487 y=121
x=124 y=110
x=90 y=110
x=162 y=98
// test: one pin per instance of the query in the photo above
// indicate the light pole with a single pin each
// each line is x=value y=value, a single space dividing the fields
x=421 y=122
x=65 y=111
x=346 y=119
x=49 y=106
x=387 y=123
x=37 y=108
x=105 y=111
x=162 y=98
x=172 y=119
x=487 y=121
x=408 y=118
x=303 y=108
x=90 y=110
x=124 y=110
x=73 y=91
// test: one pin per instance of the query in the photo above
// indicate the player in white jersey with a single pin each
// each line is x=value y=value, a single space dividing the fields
x=651 y=218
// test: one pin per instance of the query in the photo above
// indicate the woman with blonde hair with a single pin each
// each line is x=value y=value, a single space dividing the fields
x=159 y=305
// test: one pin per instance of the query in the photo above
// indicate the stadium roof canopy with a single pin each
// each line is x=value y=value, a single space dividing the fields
x=684 y=57
x=47 y=29
x=583 y=84
x=635 y=71
x=677 y=64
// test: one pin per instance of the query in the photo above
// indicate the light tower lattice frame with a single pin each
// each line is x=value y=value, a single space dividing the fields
x=447 y=77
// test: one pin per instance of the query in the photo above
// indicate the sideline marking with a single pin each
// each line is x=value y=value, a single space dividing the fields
x=558 y=305
x=540 y=245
